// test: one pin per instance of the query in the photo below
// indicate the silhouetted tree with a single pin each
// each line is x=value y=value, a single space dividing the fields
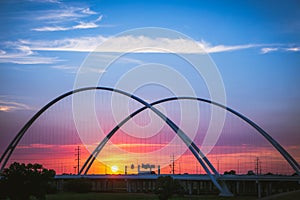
x=295 y=174
x=232 y=172
x=166 y=187
x=20 y=181
x=250 y=172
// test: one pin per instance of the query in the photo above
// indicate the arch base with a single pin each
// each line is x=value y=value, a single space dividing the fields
x=225 y=191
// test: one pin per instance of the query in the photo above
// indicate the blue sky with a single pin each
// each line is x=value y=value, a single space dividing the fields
x=255 y=45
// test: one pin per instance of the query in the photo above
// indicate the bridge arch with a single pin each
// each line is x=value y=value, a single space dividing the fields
x=293 y=163
x=192 y=147
x=189 y=143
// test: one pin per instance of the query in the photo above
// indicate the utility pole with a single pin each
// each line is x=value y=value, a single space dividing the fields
x=238 y=167
x=179 y=168
x=173 y=164
x=257 y=166
x=77 y=150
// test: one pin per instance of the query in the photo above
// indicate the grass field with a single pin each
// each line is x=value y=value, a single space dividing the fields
x=102 y=196
x=285 y=196
x=130 y=196
x=127 y=196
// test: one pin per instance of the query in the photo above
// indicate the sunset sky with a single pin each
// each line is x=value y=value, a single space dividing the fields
x=254 y=44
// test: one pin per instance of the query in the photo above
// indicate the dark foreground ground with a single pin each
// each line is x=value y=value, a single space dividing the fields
x=127 y=196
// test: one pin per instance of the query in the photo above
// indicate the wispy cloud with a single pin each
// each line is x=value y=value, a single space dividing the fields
x=141 y=44
x=37 y=146
x=295 y=49
x=67 y=68
x=85 y=25
x=26 y=51
x=23 y=55
x=96 y=69
x=27 y=60
x=268 y=50
x=53 y=1
x=99 y=18
x=63 y=18
x=7 y=105
x=222 y=48
x=60 y=15
x=46 y=1
x=64 y=13
x=82 y=44
x=79 y=25
x=88 y=11
x=280 y=48
x=51 y=28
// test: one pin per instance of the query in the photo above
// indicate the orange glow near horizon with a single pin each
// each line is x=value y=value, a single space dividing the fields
x=52 y=141
x=111 y=161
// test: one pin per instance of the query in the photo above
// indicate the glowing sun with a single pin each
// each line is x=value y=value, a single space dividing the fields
x=114 y=168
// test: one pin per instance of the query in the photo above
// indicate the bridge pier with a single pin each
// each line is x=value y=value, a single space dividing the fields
x=198 y=188
x=258 y=189
x=190 y=186
x=237 y=187
x=128 y=186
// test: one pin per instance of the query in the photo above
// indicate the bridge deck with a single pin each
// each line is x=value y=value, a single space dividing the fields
x=186 y=177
